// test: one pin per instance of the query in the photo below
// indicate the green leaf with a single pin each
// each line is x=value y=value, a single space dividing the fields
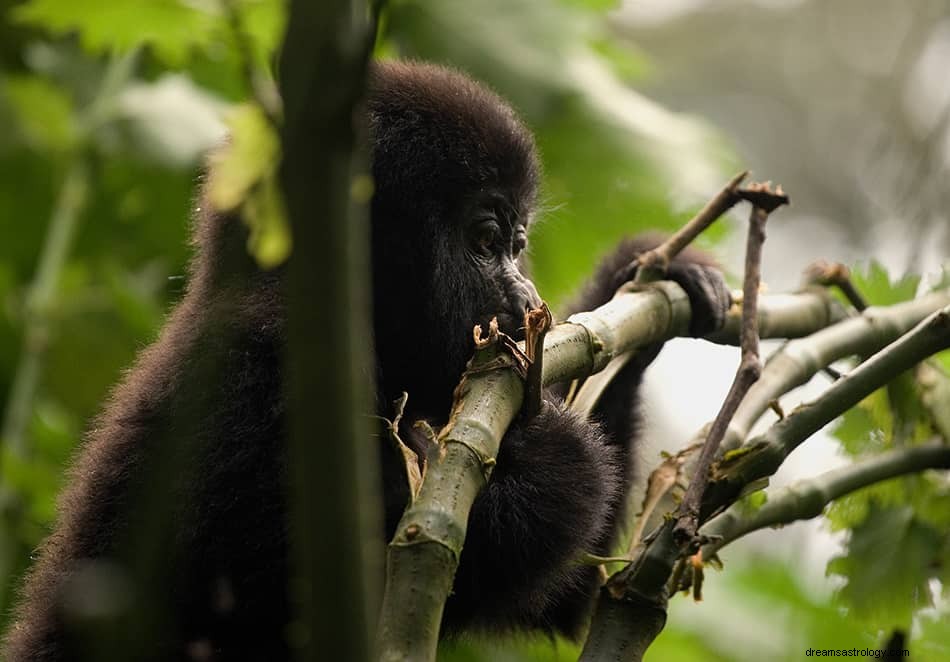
x=244 y=175
x=909 y=423
x=933 y=639
x=944 y=359
x=753 y=501
x=44 y=112
x=264 y=214
x=34 y=483
x=935 y=395
x=874 y=282
x=788 y=615
x=172 y=27
x=890 y=558
x=264 y=21
x=596 y=5
x=926 y=493
x=247 y=161
x=861 y=429
x=624 y=62
x=929 y=493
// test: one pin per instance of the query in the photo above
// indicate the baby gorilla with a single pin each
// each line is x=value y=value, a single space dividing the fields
x=456 y=177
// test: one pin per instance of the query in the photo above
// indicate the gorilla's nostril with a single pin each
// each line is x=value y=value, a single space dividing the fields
x=532 y=298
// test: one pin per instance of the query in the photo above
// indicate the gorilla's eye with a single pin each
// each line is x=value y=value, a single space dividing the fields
x=487 y=235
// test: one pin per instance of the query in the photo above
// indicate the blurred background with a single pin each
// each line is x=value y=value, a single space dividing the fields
x=642 y=110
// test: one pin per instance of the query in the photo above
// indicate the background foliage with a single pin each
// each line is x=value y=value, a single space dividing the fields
x=107 y=108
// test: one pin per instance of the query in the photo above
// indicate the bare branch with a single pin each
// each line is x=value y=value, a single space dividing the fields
x=836 y=274
x=748 y=373
x=807 y=498
x=645 y=580
x=761 y=456
x=661 y=481
x=801 y=359
x=653 y=263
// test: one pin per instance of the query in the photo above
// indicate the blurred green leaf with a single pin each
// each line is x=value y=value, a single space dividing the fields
x=135 y=296
x=264 y=21
x=943 y=358
x=171 y=27
x=247 y=161
x=891 y=556
x=910 y=422
x=522 y=649
x=934 y=383
x=932 y=638
x=757 y=609
x=35 y=484
x=264 y=213
x=244 y=174
x=926 y=493
x=861 y=429
x=624 y=63
x=598 y=5
x=752 y=502
x=44 y=112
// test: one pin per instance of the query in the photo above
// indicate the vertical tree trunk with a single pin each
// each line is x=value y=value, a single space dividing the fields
x=333 y=474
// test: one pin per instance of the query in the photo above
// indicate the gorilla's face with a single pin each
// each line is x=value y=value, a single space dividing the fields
x=456 y=175
x=494 y=236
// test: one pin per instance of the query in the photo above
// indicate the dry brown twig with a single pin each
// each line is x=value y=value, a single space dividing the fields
x=537 y=322
x=764 y=201
x=653 y=264
x=838 y=275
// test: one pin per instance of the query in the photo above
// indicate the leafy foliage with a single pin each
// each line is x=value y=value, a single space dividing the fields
x=44 y=112
x=615 y=162
x=891 y=557
x=245 y=178
x=880 y=288
x=171 y=27
x=898 y=530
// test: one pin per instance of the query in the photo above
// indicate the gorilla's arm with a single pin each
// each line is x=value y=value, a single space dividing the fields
x=561 y=482
x=551 y=497
x=696 y=273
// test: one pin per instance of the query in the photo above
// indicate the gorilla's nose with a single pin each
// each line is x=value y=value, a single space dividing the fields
x=525 y=297
x=529 y=296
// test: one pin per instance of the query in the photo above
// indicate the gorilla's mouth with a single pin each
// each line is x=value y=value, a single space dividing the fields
x=510 y=324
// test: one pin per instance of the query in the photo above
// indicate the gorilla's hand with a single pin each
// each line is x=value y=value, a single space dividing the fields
x=709 y=298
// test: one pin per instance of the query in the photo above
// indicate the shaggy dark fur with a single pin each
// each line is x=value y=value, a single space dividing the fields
x=456 y=177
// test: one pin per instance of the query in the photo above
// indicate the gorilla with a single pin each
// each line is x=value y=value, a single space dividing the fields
x=456 y=185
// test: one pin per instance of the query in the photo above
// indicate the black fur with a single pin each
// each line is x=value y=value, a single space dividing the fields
x=456 y=178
